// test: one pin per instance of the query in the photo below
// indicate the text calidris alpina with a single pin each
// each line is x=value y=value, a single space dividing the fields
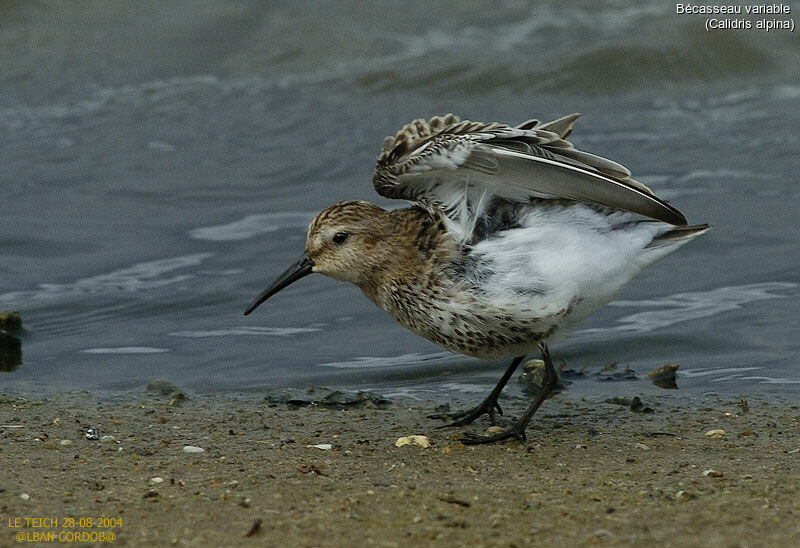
x=513 y=236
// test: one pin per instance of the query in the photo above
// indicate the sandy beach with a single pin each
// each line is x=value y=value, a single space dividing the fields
x=172 y=469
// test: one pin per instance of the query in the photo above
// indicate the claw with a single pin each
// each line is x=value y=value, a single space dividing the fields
x=513 y=432
x=517 y=430
x=463 y=418
x=487 y=406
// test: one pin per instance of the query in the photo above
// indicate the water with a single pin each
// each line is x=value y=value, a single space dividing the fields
x=160 y=163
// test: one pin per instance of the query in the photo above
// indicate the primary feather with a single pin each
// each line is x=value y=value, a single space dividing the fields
x=466 y=169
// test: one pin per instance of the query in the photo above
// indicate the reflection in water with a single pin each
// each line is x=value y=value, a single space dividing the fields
x=10 y=346
x=10 y=352
x=371 y=362
x=126 y=350
x=738 y=374
x=252 y=225
x=254 y=330
x=140 y=276
x=682 y=307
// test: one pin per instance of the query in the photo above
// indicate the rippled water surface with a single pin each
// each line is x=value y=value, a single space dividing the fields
x=161 y=161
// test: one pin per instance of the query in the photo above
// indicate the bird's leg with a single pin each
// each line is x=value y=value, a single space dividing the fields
x=517 y=430
x=488 y=406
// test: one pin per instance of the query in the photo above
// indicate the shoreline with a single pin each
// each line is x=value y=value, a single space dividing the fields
x=275 y=473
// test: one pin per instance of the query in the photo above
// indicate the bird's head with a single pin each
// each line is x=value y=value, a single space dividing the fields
x=339 y=244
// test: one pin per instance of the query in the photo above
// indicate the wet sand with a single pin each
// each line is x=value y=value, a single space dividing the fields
x=591 y=473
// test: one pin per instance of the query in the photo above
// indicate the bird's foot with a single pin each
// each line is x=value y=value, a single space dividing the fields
x=517 y=431
x=462 y=418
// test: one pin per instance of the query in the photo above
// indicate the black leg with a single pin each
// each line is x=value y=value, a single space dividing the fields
x=488 y=406
x=517 y=430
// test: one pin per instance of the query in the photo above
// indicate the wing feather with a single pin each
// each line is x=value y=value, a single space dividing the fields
x=460 y=166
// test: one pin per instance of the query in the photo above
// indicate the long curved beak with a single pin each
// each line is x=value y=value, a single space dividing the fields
x=300 y=268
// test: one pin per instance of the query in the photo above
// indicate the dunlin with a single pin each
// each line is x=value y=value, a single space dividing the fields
x=513 y=236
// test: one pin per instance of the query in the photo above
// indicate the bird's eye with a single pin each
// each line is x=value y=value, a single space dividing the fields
x=340 y=237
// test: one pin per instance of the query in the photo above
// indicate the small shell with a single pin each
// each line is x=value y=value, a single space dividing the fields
x=420 y=441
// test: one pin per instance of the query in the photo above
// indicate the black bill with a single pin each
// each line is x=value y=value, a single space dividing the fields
x=300 y=268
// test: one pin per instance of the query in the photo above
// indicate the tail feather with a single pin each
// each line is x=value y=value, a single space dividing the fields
x=678 y=235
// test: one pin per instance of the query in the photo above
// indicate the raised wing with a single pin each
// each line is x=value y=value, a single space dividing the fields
x=462 y=167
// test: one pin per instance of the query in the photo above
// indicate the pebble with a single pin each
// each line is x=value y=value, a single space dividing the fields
x=641 y=446
x=711 y=473
x=684 y=495
x=156 y=480
x=66 y=443
x=664 y=376
x=92 y=433
x=532 y=373
x=323 y=397
x=254 y=529
x=323 y=446
x=192 y=449
x=715 y=434
x=25 y=496
x=163 y=388
x=418 y=440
